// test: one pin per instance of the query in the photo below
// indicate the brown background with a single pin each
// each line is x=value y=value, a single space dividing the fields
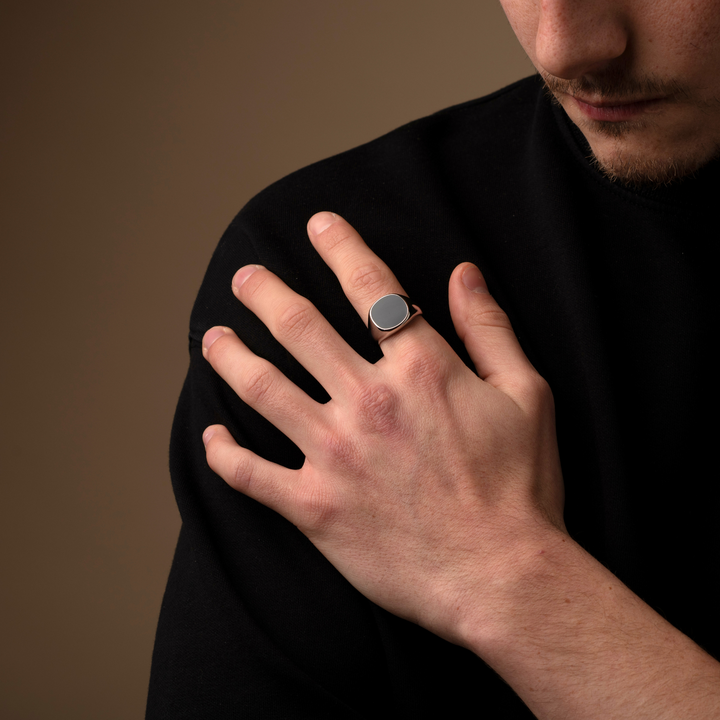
x=131 y=133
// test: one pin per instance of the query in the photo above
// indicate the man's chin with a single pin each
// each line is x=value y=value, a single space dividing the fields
x=641 y=169
x=640 y=154
x=641 y=172
x=649 y=150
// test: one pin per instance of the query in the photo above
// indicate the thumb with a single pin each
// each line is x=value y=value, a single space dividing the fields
x=486 y=330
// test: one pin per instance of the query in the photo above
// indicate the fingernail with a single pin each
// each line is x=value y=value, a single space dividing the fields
x=211 y=336
x=473 y=280
x=243 y=274
x=207 y=435
x=322 y=221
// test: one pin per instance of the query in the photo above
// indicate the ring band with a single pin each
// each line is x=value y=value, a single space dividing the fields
x=389 y=314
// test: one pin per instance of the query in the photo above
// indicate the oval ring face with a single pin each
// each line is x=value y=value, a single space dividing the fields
x=389 y=312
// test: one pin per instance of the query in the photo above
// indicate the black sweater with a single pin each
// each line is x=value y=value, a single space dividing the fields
x=611 y=293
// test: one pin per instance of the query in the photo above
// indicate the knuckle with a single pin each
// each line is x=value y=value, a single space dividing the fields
x=336 y=235
x=536 y=392
x=258 y=383
x=242 y=471
x=538 y=387
x=367 y=279
x=425 y=371
x=545 y=396
x=423 y=368
x=232 y=464
x=317 y=506
x=295 y=320
x=489 y=314
x=377 y=408
x=338 y=447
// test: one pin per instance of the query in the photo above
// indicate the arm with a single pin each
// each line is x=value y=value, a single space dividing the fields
x=574 y=642
x=438 y=494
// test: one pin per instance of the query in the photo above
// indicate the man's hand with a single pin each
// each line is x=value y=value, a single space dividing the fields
x=438 y=493
x=421 y=480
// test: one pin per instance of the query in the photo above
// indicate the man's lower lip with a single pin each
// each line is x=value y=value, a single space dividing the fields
x=615 y=113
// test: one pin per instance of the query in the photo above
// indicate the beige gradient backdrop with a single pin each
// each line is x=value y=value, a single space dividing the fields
x=131 y=133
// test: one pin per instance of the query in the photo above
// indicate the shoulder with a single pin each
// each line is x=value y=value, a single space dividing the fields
x=410 y=152
x=408 y=185
x=401 y=172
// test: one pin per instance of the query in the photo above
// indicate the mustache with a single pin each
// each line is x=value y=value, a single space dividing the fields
x=616 y=86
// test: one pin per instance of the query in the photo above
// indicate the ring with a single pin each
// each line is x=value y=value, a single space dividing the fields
x=389 y=314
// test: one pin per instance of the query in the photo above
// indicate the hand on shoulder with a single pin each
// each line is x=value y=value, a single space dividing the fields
x=424 y=483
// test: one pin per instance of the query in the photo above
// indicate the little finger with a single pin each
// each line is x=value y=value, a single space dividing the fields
x=271 y=484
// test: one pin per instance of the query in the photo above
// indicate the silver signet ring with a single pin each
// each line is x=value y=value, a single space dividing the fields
x=389 y=314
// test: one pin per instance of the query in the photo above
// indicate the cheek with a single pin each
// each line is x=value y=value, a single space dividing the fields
x=684 y=40
x=701 y=44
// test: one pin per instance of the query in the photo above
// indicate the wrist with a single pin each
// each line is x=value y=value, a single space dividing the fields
x=560 y=628
x=522 y=591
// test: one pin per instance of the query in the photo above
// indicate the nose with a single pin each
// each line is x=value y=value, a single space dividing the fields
x=579 y=37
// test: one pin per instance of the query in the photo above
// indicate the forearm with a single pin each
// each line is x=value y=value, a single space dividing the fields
x=574 y=642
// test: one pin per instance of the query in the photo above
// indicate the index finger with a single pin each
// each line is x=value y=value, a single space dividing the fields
x=364 y=277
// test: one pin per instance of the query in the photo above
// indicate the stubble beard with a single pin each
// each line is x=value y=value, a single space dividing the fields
x=623 y=163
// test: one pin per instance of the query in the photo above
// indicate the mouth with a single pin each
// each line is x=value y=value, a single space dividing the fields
x=615 y=110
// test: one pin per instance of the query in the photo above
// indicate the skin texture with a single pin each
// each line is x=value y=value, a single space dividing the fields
x=436 y=491
x=612 y=52
x=380 y=464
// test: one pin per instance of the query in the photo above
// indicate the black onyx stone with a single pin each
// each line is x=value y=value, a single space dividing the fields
x=389 y=311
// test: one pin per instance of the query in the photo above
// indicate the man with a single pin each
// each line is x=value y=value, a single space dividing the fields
x=435 y=486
